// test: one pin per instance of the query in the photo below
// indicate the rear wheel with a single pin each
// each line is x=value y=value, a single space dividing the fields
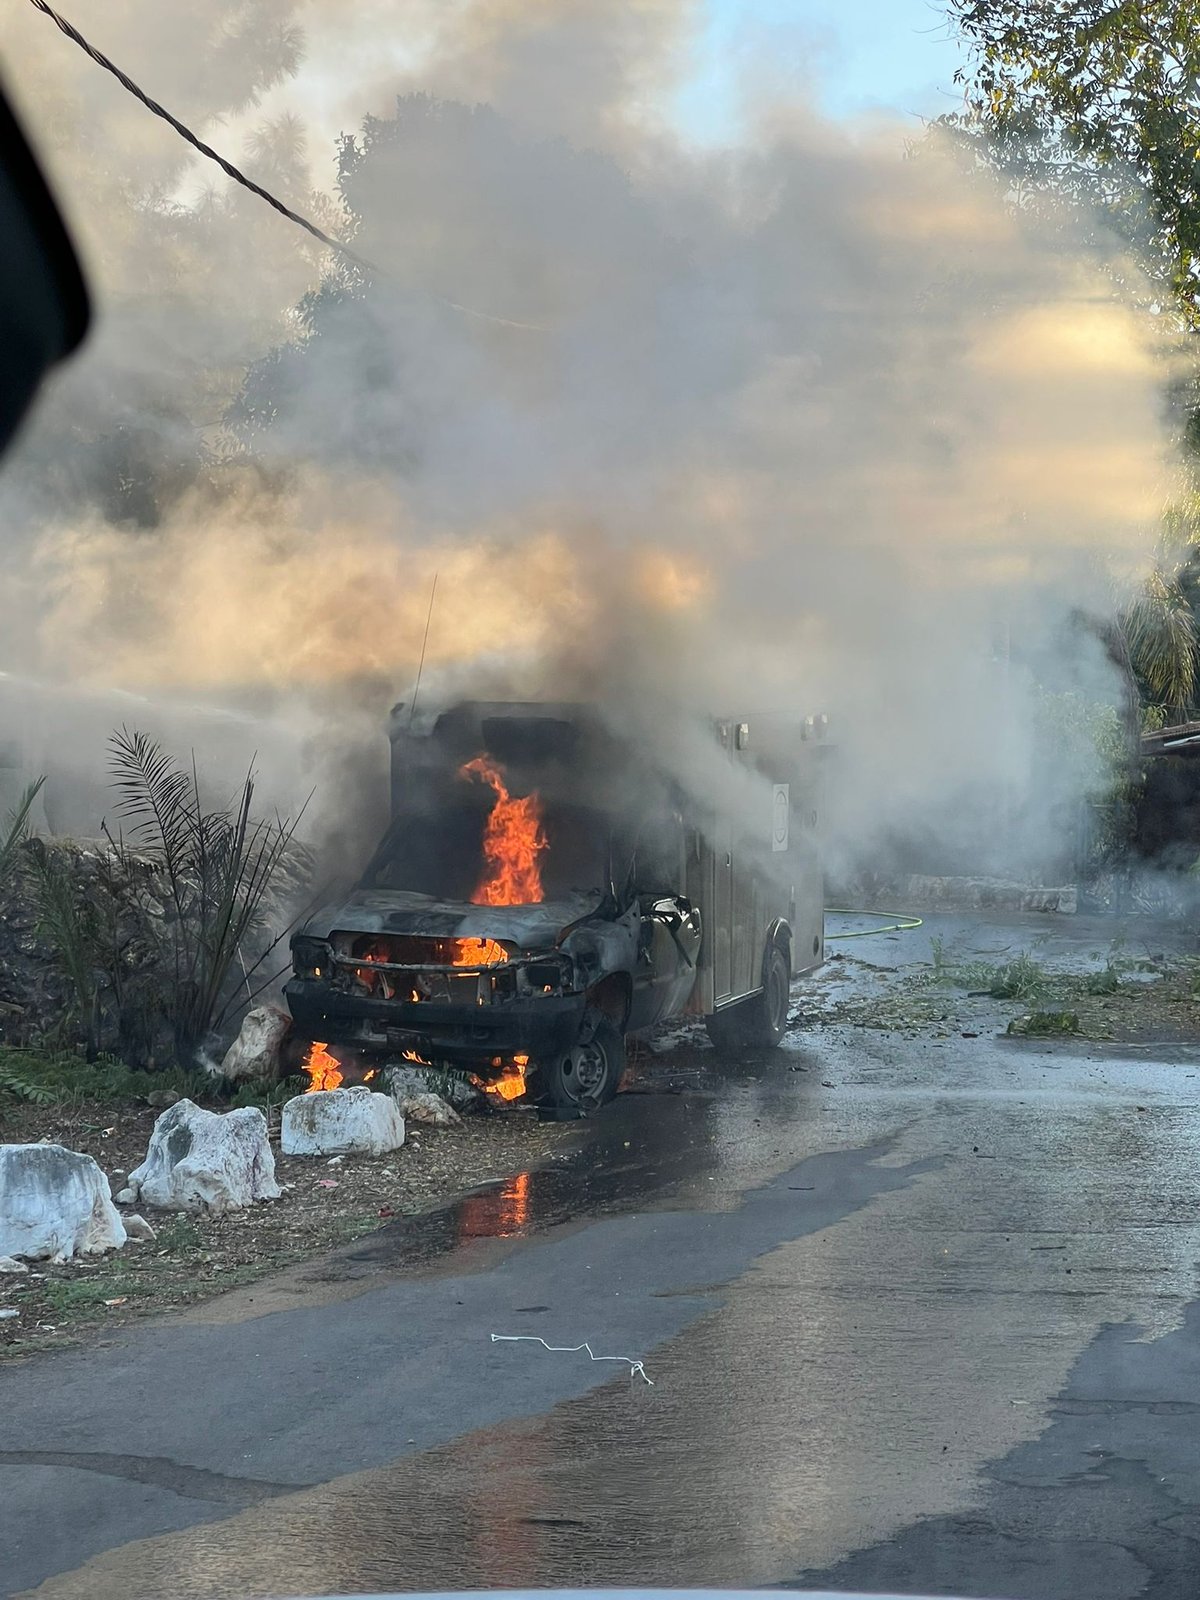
x=760 y=1022
x=588 y=1075
x=768 y=1018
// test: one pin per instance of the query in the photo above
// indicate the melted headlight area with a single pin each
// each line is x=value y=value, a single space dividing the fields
x=411 y=968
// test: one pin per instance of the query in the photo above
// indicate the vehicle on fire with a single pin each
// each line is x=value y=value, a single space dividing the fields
x=545 y=891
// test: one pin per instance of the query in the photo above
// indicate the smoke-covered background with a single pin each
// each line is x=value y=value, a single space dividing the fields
x=813 y=421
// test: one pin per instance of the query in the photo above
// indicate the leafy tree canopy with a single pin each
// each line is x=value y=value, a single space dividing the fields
x=1098 y=100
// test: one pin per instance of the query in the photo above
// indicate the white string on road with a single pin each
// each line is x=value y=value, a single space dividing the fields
x=637 y=1369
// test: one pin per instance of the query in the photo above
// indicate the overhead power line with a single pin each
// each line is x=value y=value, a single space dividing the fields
x=227 y=167
x=238 y=176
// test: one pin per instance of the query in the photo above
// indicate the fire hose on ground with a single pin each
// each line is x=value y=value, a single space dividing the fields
x=903 y=922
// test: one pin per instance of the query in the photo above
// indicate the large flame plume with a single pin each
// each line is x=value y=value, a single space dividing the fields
x=512 y=842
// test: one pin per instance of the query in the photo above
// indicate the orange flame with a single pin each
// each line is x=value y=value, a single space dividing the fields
x=476 y=952
x=323 y=1071
x=398 y=951
x=510 y=1085
x=512 y=842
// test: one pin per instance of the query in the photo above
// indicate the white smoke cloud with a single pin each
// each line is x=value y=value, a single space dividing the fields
x=800 y=423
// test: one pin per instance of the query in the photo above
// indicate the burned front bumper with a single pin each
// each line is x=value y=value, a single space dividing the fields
x=537 y=1025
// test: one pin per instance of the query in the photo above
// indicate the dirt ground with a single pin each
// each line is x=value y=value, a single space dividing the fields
x=195 y=1257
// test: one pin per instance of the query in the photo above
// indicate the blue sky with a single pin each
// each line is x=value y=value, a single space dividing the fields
x=851 y=56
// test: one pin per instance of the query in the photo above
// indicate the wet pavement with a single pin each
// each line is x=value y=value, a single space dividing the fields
x=920 y=1314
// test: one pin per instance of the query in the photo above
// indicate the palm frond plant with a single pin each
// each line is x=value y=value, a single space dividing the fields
x=1163 y=643
x=69 y=920
x=16 y=829
x=216 y=867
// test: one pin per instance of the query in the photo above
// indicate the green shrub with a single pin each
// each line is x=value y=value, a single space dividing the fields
x=60 y=1077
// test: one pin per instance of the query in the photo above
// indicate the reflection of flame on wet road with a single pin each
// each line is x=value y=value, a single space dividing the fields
x=499 y=1213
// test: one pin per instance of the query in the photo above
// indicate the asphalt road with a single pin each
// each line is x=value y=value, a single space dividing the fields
x=920 y=1315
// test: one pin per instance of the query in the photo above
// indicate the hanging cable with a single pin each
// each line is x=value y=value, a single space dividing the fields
x=227 y=167
x=238 y=176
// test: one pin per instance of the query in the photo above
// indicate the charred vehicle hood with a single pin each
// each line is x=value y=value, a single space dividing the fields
x=535 y=927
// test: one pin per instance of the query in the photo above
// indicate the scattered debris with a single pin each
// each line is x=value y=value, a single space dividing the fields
x=1115 y=995
x=206 y=1161
x=1044 y=1024
x=336 y=1121
x=636 y=1368
x=55 y=1203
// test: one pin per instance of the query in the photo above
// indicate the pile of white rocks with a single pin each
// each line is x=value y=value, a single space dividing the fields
x=56 y=1204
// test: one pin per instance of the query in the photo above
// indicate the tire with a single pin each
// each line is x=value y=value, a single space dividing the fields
x=588 y=1075
x=760 y=1022
x=769 y=1010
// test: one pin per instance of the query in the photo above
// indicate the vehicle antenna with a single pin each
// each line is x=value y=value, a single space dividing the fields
x=412 y=710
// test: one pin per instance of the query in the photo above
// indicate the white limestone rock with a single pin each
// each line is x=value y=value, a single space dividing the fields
x=257 y=1052
x=341 y=1122
x=206 y=1161
x=405 y=1081
x=55 y=1203
x=429 y=1109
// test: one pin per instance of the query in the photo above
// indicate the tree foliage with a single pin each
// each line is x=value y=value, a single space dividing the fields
x=1096 y=103
x=1162 y=639
x=1098 y=100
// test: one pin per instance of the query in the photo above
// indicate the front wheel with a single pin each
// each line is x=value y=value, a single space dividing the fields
x=588 y=1075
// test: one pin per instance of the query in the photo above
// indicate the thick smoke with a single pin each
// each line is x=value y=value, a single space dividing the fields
x=803 y=424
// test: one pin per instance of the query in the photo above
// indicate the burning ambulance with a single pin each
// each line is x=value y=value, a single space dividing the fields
x=544 y=891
